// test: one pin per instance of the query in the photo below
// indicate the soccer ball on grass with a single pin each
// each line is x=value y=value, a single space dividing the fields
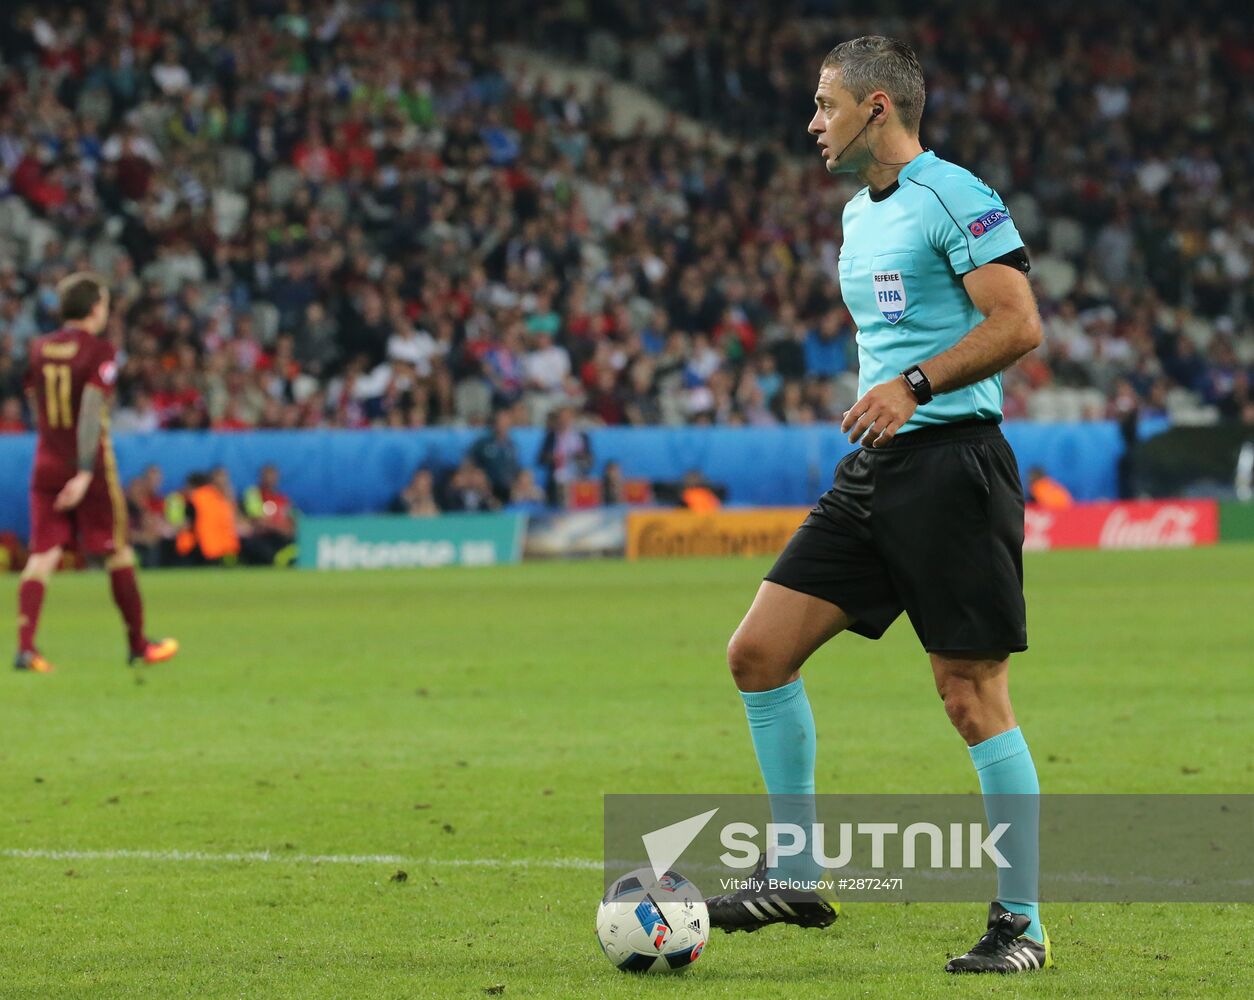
x=647 y=924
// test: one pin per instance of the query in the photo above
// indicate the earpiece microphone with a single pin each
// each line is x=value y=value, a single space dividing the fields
x=876 y=111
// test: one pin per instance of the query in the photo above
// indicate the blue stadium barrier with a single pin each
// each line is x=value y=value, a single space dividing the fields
x=351 y=472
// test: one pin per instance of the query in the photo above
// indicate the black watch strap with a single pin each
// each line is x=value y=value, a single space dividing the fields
x=919 y=384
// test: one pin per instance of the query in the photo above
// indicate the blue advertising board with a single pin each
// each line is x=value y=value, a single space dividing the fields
x=396 y=541
x=359 y=472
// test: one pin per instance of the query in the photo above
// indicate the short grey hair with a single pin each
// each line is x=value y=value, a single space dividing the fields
x=874 y=62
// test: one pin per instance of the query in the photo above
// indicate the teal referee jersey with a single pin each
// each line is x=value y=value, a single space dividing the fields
x=904 y=254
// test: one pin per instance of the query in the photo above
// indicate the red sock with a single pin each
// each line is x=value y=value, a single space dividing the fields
x=30 y=598
x=126 y=597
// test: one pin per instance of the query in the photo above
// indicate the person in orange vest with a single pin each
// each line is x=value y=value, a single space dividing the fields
x=697 y=495
x=1047 y=492
x=209 y=533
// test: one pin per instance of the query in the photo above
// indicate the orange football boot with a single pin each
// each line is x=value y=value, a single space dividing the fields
x=155 y=652
x=32 y=661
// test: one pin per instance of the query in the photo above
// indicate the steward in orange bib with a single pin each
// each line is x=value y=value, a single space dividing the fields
x=1047 y=492
x=210 y=531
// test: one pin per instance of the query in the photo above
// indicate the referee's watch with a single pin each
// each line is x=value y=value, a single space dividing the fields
x=919 y=384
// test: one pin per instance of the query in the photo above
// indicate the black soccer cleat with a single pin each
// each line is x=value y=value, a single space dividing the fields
x=1003 y=948
x=760 y=904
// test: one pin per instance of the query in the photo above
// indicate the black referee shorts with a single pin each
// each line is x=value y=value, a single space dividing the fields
x=931 y=525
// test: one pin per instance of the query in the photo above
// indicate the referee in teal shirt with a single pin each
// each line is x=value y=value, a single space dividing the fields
x=926 y=517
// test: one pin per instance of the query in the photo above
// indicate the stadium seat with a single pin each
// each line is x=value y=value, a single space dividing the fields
x=236 y=166
x=94 y=104
x=333 y=199
x=266 y=316
x=583 y=494
x=38 y=235
x=1093 y=404
x=1042 y=406
x=230 y=208
x=472 y=401
x=283 y=182
x=844 y=390
x=1053 y=274
x=1066 y=237
x=1026 y=212
x=15 y=217
x=637 y=491
x=103 y=254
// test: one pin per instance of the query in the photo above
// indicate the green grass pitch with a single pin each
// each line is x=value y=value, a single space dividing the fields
x=465 y=724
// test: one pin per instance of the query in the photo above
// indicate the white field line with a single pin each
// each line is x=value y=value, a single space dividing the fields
x=284 y=857
x=580 y=864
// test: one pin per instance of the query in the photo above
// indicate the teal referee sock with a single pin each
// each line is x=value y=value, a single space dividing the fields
x=1012 y=795
x=782 y=727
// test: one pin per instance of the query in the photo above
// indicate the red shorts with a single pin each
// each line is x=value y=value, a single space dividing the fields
x=96 y=527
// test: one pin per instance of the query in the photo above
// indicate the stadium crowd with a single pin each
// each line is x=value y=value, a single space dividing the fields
x=324 y=214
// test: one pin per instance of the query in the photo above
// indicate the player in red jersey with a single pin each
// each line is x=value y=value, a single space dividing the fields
x=75 y=494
